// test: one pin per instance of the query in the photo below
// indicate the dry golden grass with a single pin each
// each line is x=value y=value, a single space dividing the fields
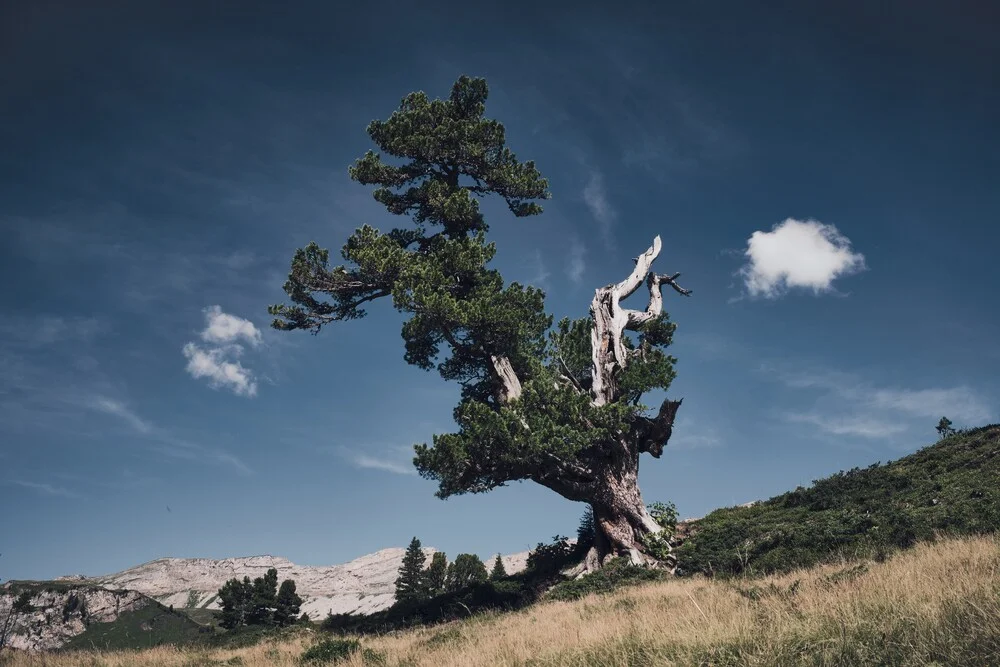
x=937 y=604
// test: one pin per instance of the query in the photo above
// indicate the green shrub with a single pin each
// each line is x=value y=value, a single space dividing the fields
x=329 y=651
x=550 y=558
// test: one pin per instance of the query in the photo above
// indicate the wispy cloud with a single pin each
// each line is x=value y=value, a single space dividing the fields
x=46 y=489
x=164 y=442
x=539 y=273
x=797 y=254
x=364 y=461
x=397 y=460
x=118 y=409
x=596 y=198
x=961 y=403
x=576 y=262
x=866 y=427
x=218 y=364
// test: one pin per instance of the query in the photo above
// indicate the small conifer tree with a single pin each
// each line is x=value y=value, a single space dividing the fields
x=287 y=605
x=437 y=574
x=410 y=583
x=499 y=572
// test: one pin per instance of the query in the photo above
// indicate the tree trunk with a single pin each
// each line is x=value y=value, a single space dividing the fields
x=607 y=477
x=622 y=524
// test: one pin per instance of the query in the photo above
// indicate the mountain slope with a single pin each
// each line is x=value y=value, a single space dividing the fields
x=948 y=487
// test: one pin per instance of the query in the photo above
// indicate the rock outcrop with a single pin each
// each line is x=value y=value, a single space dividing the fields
x=60 y=613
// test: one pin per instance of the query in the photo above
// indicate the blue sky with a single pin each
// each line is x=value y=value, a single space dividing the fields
x=824 y=177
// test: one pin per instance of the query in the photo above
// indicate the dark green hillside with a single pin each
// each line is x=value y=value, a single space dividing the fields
x=150 y=626
x=948 y=487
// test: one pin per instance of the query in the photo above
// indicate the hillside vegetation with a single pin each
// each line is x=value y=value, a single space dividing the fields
x=947 y=488
x=935 y=604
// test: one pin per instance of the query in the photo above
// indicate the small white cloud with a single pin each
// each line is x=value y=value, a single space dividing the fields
x=797 y=254
x=218 y=363
x=118 y=409
x=596 y=198
x=220 y=371
x=225 y=328
x=576 y=262
x=848 y=425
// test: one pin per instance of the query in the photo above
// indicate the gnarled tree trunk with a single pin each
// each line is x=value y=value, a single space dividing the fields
x=607 y=477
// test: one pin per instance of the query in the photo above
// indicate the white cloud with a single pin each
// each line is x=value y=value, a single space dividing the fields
x=218 y=363
x=596 y=198
x=848 y=425
x=220 y=371
x=576 y=261
x=797 y=254
x=225 y=328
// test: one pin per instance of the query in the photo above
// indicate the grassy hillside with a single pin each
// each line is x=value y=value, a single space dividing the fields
x=950 y=487
x=152 y=625
x=936 y=604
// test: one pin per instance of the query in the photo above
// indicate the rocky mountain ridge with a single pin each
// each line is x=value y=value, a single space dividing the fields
x=364 y=585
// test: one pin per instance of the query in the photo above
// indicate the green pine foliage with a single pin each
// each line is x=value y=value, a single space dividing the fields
x=949 y=487
x=258 y=602
x=437 y=574
x=410 y=584
x=287 y=605
x=498 y=572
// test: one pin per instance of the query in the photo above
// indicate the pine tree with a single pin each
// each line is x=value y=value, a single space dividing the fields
x=944 y=428
x=467 y=570
x=264 y=599
x=236 y=600
x=538 y=402
x=499 y=572
x=410 y=583
x=437 y=574
x=287 y=605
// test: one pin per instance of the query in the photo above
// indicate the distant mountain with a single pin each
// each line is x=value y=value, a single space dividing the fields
x=362 y=586
x=146 y=601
